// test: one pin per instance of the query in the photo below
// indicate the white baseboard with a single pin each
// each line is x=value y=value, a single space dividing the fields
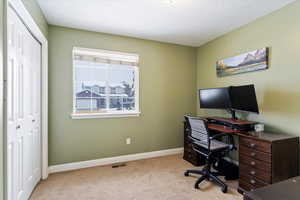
x=112 y=160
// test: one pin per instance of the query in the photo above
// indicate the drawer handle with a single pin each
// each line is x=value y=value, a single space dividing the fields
x=252 y=181
x=252 y=163
x=253 y=154
x=252 y=172
x=252 y=145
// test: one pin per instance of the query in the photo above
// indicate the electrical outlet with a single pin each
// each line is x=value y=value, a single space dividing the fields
x=128 y=140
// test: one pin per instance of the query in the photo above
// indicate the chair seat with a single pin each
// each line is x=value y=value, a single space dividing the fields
x=214 y=145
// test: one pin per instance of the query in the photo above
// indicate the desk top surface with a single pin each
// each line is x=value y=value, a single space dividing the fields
x=288 y=189
x=266 y=136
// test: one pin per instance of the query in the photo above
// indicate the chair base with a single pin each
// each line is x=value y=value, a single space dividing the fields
x=207 y=175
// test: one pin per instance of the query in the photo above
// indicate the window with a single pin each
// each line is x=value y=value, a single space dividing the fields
x=106 y=84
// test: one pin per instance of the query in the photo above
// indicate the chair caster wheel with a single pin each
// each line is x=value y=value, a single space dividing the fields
x=224 y=189
x=196 y=186
x=186 y=173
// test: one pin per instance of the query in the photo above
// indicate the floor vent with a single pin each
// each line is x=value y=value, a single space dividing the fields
x=119 y=165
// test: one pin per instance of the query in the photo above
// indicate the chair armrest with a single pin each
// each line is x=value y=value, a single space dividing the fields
x=218 y=135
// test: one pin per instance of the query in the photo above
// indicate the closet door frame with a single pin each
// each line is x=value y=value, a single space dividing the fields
x=25 y=16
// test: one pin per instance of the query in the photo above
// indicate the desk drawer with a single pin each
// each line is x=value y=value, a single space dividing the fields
x=255 y=144
x=246 y=170
x=255 y=154
x=253 y=181
x=245 y=185
x=257 y=164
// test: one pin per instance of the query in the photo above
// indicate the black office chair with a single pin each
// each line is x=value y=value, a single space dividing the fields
x=208 y=146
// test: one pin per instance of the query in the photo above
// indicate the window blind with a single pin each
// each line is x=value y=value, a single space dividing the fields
x=103 y=56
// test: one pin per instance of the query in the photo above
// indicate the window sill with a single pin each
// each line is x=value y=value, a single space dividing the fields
x=105 y=115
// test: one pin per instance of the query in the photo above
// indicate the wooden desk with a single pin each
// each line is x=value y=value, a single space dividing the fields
x=264 y=158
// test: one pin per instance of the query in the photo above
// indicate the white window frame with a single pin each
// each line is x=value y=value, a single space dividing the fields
x=130 y=56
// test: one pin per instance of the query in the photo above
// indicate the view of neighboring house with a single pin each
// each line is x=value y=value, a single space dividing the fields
x=94 y=98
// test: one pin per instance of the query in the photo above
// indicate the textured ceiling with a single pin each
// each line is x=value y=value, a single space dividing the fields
x=187 y=22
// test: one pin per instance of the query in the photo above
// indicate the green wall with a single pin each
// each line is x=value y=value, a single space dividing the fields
x=278 y=88
x=37 y=14
x=167 y=92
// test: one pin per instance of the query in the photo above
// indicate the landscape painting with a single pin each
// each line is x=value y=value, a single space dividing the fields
x=247 y=62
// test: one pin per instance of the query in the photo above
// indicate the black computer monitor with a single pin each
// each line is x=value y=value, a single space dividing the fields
x=215 y=98
x=243 y=98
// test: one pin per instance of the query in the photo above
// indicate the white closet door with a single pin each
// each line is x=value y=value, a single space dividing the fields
x=23 y=110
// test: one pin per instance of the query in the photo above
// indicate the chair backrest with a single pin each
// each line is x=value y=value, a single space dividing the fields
x=199 y=130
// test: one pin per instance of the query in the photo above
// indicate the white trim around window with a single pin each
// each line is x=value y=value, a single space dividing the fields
x=105 y=115
x=106 y=57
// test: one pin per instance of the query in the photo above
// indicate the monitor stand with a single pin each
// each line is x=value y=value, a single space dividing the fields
x=233 y=114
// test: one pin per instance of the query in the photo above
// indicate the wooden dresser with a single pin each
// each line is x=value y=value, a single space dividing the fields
x=266 y=158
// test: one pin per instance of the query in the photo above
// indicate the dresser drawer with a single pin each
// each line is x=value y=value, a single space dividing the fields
x=257 y=164
x=253 y=181
x=245 y=185
x=259 y=155
x=255 y=144
x=246 y=170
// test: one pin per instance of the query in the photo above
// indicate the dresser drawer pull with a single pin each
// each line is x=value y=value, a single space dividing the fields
x=253 y=154
x=252 y=172
x=252 y=145
x=252 y=181
x=252 y=163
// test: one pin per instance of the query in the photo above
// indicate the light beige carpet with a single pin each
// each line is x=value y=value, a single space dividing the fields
x=152 y=179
